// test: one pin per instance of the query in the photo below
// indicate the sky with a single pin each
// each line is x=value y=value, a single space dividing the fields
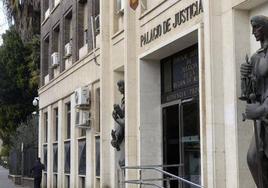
x=3 y=21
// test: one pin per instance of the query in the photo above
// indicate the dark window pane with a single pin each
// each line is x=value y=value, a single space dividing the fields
x=45 y=156
x=67 y=157
x=56 y=123
x=68 y=121
x=83 y=132
x=55 y=157
x=185 y=69
x=82 y=183
x=55 y=181
x=167 y=77
x=96 y=10
x=45 y=180
x=97 y=156
x=191 y=143
x=179 y=75
x=82 y=157
x=67 y=182
x=98 y=110
x=46 y=127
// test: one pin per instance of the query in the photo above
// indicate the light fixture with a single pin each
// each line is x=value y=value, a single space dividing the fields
x=36 y=101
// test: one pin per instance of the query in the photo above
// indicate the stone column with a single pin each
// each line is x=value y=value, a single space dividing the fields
x=89 y=158
x=73 y=146
x=106 y=98
x=214 y=117
x=60 y=143
x=226 y=44
x=131 y=92
x=49 y=148
x=40 y=134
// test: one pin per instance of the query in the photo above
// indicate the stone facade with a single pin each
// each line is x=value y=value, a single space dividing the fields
x=130 y=46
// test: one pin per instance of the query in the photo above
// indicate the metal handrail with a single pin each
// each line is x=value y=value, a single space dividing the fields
x=157 y=169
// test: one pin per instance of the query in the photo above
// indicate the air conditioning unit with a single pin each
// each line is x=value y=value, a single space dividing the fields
x=47 y=13
x=68 y=50
x=82 y=98
x=97 y=24
x=55 y=59
x=83 y=119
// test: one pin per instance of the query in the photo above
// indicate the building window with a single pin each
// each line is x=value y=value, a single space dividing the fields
x=179 y=75
x=68 y=120
x=46 y=10
x=83 y=132
x=45 y=156
x=120 y=6
x=82 y=28
x=45 y=61
x=55 y=181
x=67 y=38
x=97 y=110
x=118 y=18
x=45 y=180
x=56 y=124
x=55 y=157
x=45 y=127
x=82 y=182
x=67 y=181
x=55 y=56
x=67 y=157
x=97 y=156
x=82 y=157
x=96 y=14
x=85 y=23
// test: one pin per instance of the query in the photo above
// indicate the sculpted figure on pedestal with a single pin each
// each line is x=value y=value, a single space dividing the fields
x=118 y=134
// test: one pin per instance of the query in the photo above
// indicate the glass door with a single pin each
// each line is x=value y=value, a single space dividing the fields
x=181 y=141
x=190 y=142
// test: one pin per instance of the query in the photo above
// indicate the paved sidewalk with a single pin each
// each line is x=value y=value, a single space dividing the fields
x=4 y=181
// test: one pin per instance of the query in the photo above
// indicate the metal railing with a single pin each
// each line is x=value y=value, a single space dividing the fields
x=166 y=176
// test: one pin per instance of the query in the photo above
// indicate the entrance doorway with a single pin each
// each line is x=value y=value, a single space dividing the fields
x=181 y=141
x=180 y=114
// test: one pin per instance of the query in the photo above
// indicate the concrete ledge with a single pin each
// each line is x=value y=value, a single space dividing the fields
x=28 y=182
x=15 y=178
x=24 y=181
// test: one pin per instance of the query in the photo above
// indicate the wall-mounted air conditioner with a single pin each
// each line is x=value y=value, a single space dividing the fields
x=83 y=119
x=82 y=98
x=47 y=13
x=68 y=50
x=55 y=59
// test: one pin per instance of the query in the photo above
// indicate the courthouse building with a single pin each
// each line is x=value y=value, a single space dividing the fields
x=180 y=62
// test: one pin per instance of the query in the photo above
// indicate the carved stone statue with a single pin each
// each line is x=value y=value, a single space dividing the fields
x=254 y=87
x=118 y=134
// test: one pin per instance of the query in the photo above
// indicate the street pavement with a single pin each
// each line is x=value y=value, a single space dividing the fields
x=4 y=181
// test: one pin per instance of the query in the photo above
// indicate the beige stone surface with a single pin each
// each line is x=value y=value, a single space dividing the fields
x=224 y=36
